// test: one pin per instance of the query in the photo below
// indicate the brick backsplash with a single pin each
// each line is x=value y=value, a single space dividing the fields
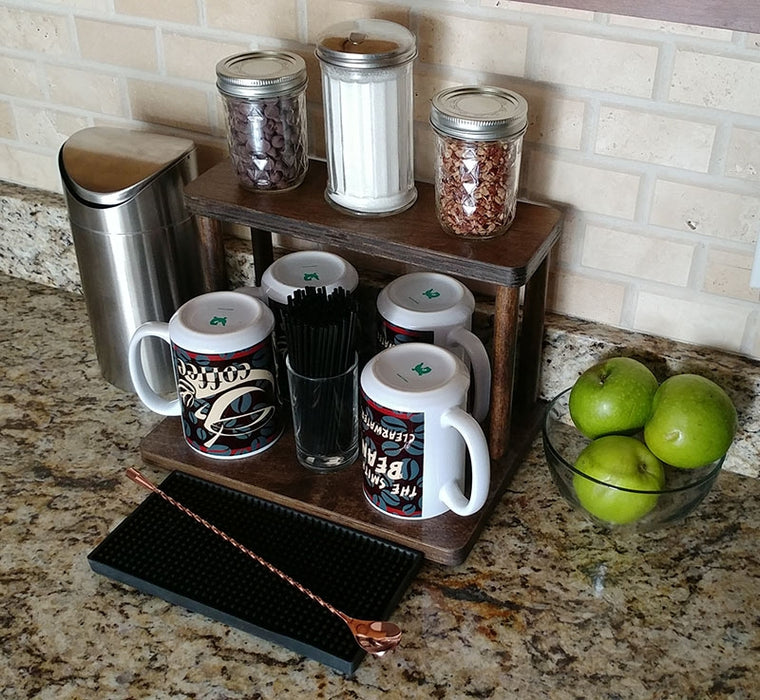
x=646 y=132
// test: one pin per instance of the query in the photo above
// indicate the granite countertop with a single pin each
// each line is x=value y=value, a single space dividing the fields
x=544 y=606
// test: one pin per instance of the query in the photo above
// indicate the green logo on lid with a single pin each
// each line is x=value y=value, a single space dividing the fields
x=431 y=294
x=218 y=321
x=421 y=369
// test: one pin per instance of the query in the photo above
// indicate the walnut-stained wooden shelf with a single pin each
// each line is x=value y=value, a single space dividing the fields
x=514 y=262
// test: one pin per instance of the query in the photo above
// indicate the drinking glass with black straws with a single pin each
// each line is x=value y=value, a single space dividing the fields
x=322 y=365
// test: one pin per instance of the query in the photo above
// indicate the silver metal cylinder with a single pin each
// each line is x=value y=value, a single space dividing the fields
x=139 y=251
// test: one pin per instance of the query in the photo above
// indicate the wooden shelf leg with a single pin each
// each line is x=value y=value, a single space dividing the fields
x=503 y=371
x=263 y=254
x=212 y=246
x=532 y=338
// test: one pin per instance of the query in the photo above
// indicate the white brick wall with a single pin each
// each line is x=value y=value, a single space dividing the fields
x=647 y=132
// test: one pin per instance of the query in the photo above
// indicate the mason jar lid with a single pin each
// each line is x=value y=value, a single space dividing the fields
x=366 y=43
x=479 y=112
x=261 y=74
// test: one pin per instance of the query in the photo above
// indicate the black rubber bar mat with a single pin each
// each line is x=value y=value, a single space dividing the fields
x=161 y=551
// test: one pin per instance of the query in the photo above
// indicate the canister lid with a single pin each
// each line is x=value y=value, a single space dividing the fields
x=479 y=112
x=366 y=43
x=107 y=166
x=261 y=74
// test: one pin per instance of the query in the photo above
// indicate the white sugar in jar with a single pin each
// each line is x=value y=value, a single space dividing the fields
x=367 y=91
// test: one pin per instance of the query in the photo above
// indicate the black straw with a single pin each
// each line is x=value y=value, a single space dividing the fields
x=321 y=331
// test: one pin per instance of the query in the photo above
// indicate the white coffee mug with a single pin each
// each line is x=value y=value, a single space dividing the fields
x=223 y=357
x=288 y=274
x=415 y=434
x=307 y=268
x=304 y=268
x=429 y=307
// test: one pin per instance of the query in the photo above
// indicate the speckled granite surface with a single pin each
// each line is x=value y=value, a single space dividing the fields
x=544 y=607
x=35 y=237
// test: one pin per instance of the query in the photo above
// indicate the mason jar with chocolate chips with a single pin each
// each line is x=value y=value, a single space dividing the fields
x=264 y=94
x=479 y=132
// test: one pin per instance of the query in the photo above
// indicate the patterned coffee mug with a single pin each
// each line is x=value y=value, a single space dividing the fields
x=428 y=307
x=223 y=359
x=415 y=434
x=286 y=275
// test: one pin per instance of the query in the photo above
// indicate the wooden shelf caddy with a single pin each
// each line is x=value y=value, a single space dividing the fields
x=516 y=260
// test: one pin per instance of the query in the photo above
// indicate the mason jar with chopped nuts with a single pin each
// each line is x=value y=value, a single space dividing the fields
x=479 y=132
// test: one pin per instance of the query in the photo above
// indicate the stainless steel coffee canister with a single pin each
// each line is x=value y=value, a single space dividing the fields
x=139 y=251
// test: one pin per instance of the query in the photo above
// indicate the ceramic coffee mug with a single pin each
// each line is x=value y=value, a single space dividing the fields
x=307 y=268
x=223 y=359
x=304 y=268
x=415 y=434
x=428 y=307
x=294 y=271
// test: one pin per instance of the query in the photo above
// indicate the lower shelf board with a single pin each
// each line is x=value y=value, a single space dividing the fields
x=275 y=475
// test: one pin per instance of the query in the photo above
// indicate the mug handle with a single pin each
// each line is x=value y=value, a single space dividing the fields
x=481 y=369
x=150 y=398
x=480 y=463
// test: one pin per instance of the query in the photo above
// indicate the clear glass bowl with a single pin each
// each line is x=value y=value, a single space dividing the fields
x=683 y=492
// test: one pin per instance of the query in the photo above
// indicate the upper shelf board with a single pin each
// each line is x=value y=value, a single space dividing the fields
x=413 y=236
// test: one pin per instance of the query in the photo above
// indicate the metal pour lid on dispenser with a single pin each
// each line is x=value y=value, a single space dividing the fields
x=371 y=43
x=368 y=98
x=139 y=251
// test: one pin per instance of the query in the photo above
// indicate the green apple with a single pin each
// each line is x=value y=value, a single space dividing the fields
x=693 y=421
x=613 y=396
x=625 y=466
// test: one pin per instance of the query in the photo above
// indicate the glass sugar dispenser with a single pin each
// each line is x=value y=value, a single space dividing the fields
x=478 y=147
x=366 y=67
x=264 y=94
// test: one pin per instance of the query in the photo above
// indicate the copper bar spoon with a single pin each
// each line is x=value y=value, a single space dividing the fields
x=374 y=636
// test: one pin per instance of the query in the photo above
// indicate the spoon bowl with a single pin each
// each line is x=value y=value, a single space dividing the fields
x=375 y=637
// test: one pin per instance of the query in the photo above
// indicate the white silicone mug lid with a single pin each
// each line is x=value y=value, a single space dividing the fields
x=415 y=377
x=221 y=322
x=425 y=301
x=307 y=268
